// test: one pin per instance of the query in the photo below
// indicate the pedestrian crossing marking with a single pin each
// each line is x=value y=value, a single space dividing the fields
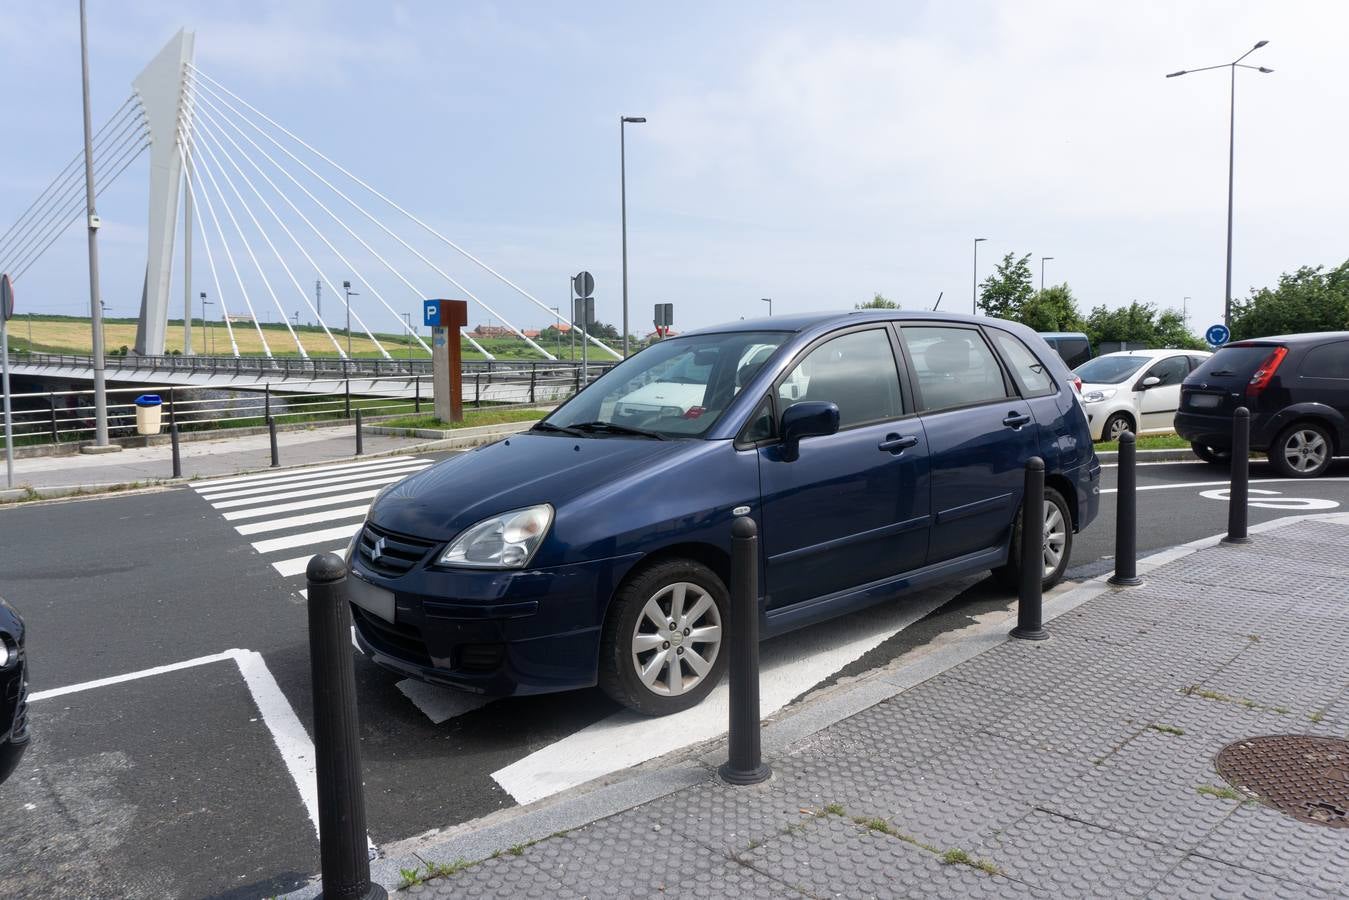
x=257 y=511
x=327 y=515
x=309 y=481
x=314 y=492
x=261 y=477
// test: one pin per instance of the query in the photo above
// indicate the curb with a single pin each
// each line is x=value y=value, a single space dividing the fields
x=1179 y=454
x=479 y=839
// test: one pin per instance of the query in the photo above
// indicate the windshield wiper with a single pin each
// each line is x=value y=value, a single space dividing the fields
x=612 y=428
x=563 y=429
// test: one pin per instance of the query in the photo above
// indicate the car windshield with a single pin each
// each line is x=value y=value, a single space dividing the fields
x=675 y=388
x=1110 y=369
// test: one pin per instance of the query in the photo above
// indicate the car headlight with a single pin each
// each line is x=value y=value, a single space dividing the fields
x=1098 y=396
x=5 y=653
x=507 y=541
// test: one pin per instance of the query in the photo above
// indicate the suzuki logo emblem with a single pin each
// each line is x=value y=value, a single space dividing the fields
x=378 y=551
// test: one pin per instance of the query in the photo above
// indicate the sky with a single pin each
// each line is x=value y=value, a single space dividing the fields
x=811 y=153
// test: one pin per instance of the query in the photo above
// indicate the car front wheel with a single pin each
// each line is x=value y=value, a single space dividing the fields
x=1056 y=550
x=662 y=649
x=1302 y=450
x=1115 y=426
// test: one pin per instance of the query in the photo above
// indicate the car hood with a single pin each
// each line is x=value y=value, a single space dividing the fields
x=523 y=470
x=1089 y=386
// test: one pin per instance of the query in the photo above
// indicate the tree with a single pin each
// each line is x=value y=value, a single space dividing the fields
x=1307 y=300
x=877 y=302
x=1007 y=290
x=1053 y=309
x=1140 y=323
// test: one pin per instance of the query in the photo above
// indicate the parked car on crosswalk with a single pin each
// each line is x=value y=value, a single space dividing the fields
x=595 y=547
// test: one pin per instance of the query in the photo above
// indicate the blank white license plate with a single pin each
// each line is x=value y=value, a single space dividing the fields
x=370 y=598
x=1204 y=401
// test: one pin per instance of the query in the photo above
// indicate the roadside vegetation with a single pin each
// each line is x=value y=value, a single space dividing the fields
x=472 y=418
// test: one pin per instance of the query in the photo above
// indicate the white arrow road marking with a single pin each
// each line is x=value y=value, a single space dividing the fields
x=1275 y=501
x=789 y=666
x=440 y=704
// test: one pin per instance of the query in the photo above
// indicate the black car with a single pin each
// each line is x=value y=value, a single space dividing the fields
x=1296 y=388
x=13 y=691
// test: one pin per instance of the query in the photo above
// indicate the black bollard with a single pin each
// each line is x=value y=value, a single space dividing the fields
x=417 y=395
x=1126 y=515
x=177 y=461
x=267 y=401
x=345 y=860
x=271 y=430
x=1241 y=474
x=346 y=393
x=1029 y=616
x=359 y=449
x=744 y=763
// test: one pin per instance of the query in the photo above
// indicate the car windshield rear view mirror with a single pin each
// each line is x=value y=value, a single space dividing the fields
x=811 y=418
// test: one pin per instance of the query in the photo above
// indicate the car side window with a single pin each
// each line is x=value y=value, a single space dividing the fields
x=954 y=366
x=856 y=371
x=760 y=426
x=1171 y=370
x=1327 y=361
x=1031 y=375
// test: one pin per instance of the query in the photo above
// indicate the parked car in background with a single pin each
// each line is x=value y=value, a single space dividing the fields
x=1136 y=390
x=1296 y=388
x=877 y=451
x=14 y=734
x=1073 y=347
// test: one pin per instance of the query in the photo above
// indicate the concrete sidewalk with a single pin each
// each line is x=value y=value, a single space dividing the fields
x=980 y=766
x=224 y=456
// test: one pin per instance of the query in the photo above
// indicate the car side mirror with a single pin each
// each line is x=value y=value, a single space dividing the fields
x=809 y=419
x=1150 y=381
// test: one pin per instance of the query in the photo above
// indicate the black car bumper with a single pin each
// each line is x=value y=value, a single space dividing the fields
x=492 y=632
x=1216 y=430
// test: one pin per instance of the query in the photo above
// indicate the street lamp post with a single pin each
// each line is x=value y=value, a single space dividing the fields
x=95 y=301
x=1043 y=260
x=346 y=286
x=557 y=312
x=769 y=301
x=407 y=319
x=974 y=285
x=1231 y=155
x=205 y=303
x=623 y=121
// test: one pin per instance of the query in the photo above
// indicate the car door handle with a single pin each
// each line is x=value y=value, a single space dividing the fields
x=1016 y=420
x=895 y=443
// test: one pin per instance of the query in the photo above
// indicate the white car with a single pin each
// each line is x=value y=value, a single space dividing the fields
x=1135 y=390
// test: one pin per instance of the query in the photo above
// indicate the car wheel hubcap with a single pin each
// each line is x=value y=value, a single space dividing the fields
x=1056 y=538
x=1305 y=451
x=1117 y=427
x=676 y=639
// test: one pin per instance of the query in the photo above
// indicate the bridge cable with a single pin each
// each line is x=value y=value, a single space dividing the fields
x=342 y=354
x=382 y=226
x=210 y=257
x=409 y=215
x=200 y=112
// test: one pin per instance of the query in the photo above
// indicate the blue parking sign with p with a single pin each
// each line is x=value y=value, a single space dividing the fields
x=1217 y=335
x=431 y=313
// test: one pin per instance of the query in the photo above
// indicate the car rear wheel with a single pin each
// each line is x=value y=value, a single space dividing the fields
x=1115 y=426
x=1213 y=455
x=1302 y=450
x=1057 y=548
x=662 y=646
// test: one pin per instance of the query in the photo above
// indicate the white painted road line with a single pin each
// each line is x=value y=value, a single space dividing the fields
x=297 y=564
x=328 y=515
x=314 y=482
x=341 y=532
x=214 y=483
x=257 y=511
x=129 y=676
x=440 y=704
x=314 y=492
x=1226 y=482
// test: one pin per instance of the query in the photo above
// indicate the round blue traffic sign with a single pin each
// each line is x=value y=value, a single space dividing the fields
x=1217 y=335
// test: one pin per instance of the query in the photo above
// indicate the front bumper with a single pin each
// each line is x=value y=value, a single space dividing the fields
x=498 y=633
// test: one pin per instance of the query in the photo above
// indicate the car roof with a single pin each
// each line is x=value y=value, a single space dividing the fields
x=1148 y=354
x=1311 y=337
x=1062 y=334
x=797 y=322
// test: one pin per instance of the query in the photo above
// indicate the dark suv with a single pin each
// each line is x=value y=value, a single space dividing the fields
x=1297 y=389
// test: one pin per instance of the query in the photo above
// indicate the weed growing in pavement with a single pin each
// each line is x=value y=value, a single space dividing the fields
x=517 y=849
x=433 y=870
x=1220 y=793
x=1195 y=690
x=1317 y=716
x=953 y=856
x=1253 y=638
x=1167 y=729
x=834 y=809
x=957 y=857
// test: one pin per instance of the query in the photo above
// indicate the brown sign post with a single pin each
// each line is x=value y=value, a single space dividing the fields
x=446 y=317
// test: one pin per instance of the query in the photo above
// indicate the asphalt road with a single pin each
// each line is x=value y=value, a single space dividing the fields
x=185 y=782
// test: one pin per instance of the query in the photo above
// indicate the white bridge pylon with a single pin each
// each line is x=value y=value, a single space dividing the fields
x=267 y=201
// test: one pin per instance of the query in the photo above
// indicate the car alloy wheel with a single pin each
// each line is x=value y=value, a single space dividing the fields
x=1116 y=426
x=1056 y=538
x=1305 y=450
x=676 y=639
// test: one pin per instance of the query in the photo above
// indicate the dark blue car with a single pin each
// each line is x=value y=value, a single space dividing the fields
x=877 y=451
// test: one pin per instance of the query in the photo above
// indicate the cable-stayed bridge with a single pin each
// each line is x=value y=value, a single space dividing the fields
x=268 y=210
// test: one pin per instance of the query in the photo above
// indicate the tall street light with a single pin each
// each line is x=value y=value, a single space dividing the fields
x=1043 y=260
x=95 y=302
x=769 y=301
x=346 y=286
x=407 y=320
x=1231 y=155
x=204 y=303
x=623 y=122
x=974 y=285
x=557 y=311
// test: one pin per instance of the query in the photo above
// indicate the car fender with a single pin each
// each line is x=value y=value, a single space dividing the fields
x=1328 y=415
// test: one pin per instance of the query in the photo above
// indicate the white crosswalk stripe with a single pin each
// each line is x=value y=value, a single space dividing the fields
x=314 y=510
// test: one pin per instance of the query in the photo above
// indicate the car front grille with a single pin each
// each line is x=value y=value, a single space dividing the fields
x=388 y=553
x=394 y=638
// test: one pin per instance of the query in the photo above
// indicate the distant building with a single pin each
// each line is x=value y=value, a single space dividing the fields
x=530 y=333
x=492 y=331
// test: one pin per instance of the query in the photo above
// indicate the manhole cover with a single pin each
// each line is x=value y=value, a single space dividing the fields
x=1304 y=776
